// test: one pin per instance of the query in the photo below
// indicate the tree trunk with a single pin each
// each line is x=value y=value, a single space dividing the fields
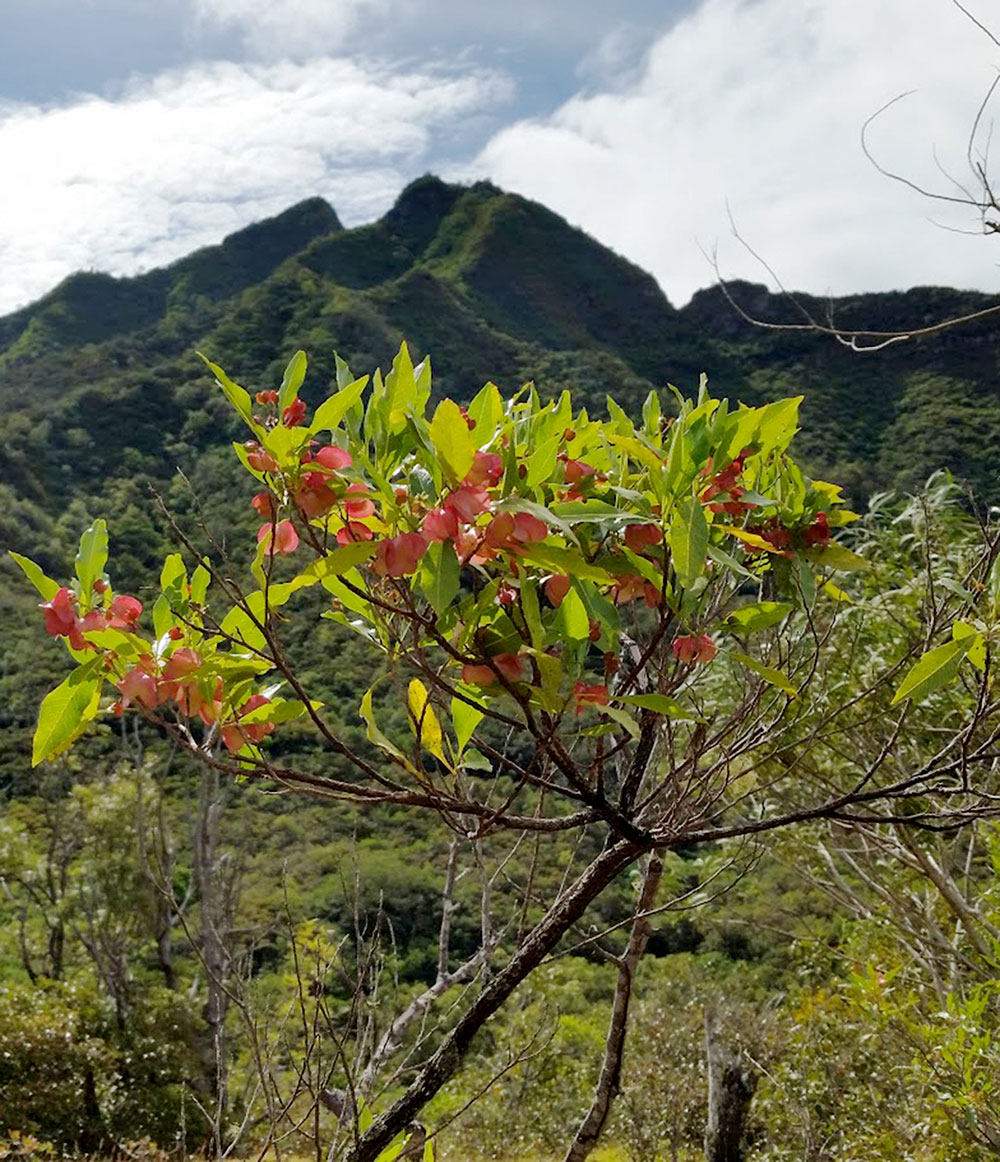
x=214 y=929
x=731 y=1085
x=609 y=1082
x=444 y=1063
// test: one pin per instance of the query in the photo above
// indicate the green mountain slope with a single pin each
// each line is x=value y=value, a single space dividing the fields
x=101 y=393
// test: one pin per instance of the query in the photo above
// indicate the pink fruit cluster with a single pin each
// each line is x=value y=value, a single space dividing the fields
x=723 y=493
x=149 y=685
x=62 y=616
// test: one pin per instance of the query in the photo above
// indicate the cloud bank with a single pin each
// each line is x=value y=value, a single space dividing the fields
x=757 y=106
x=298 y=28
x=180 y=160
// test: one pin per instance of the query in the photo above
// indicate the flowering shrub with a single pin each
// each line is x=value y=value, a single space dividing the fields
x=515 y=537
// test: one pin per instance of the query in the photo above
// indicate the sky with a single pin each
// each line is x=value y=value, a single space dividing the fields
x=688 y=135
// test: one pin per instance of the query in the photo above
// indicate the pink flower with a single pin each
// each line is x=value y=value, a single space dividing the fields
x=487 y=468
x=124 y=612
x=576 y=471
x=181 y=663
x=361 y=505
x=528 y=528
x=353 y=531
x=264 y=503
x=691 y=649
x=510 y=665
x=294 y=414
x=141 y=687
x=640 y=537
x=468 y=503
x=399 y=556
x=60 y=613
x=585 y=695
x=314 y=500
x=441 y=524
x=259 y=459
x=285 y=539
x=333 y=458
x=631 y=587
x=556 y=588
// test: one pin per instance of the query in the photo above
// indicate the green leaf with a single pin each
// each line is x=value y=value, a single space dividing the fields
x=568 y=561
x=200 y=579
x=773 y=677
x=571 y=618
x=659 y=704
x=173 y=571
x=162 y=616
x=439 y=576
x=720 y=557
x=486 y=411
x=452 y=440
x=622 y=718
x=977 y=650
x=45 y=585
x=338 y=561
x=689 y=541
x=329 y=413
x=65 y=712
x=236 y=395
x=291 y=381
x=542 y=462
x=377 y=737
x=91 y=557
x=465 y=719
x=240 y=626
x=759 y=615
x=278 y=711
x=933 y=670
x=641 y=453
x=532 y=612
x=838 y=558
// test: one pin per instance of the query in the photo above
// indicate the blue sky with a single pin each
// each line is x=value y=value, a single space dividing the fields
x=133 y=131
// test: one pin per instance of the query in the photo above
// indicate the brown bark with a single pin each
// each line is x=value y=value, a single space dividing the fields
x=731 y=1086
x=444 y=1063
x=609 y=1082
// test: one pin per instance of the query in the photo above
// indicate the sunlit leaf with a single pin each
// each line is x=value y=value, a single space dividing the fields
x=933 y=670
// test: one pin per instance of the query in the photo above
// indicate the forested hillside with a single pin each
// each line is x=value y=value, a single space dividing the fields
x=122 y=863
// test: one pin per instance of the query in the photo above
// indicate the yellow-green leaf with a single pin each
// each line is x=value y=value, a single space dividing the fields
x=329 y=413
x=91 y=557
x=977 y=650
x=377 y=737
x=423 y=721
x=758 y=615
x=933 y=670
x=688 y=540
x=291 y=381
x=45 y=585
x=838 y=558
x=452 y=440
x=775 y=678
x=658 y=703
x=65 y=712
x=465 y=718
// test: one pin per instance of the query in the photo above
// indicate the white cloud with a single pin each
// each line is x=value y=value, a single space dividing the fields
x=760 y=103
x=275 y=28
x=183 y=159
